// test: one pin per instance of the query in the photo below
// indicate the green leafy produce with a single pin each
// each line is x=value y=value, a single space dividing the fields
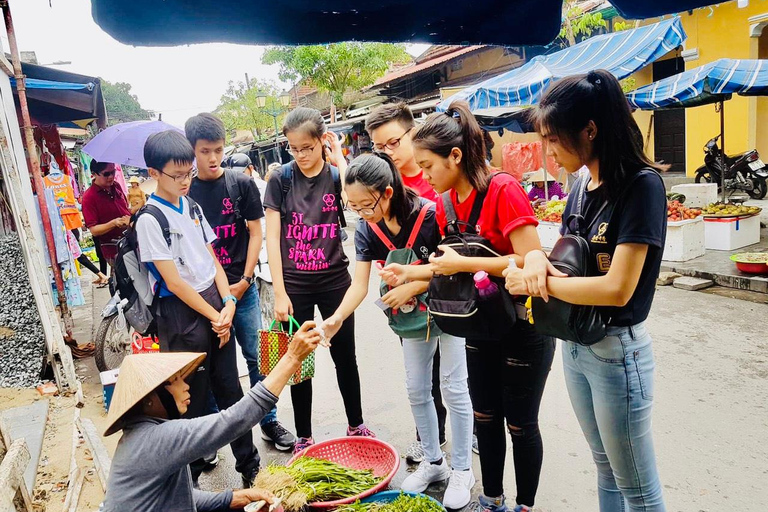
x=309 y=479
x=404 y=503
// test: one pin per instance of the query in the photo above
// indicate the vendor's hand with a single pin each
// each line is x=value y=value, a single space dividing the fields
x=334 y=154
x=304 y=341
x=239 y=288
x=331 y=326
x=394 y=274
x=123 y=222
x=398 y=296
x=447 y=264
x=242 y=497
x=283 y=307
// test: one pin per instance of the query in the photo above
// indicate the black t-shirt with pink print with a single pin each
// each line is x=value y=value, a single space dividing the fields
x=310 y=244
x=232 y=237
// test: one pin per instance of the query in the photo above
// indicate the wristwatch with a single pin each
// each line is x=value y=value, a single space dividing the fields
x=247 y=279
x=228 y=298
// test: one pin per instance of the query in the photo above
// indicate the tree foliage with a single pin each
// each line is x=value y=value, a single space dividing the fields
x=122 y=106
x=339 y=68
x=577 y=23
x=239 y=110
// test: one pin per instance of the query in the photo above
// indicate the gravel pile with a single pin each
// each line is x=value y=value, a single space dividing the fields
x=22 y=342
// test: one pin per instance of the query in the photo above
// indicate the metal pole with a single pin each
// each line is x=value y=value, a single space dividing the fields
x=722 y=148
x=37 y=177
x=546 y=172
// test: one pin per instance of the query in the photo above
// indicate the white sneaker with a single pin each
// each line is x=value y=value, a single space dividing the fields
x=426 y=474
x=459 y=491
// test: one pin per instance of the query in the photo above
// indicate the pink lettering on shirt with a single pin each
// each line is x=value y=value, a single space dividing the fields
x=303 y=254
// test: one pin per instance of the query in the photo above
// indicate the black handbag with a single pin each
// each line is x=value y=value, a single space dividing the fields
x=571 y=255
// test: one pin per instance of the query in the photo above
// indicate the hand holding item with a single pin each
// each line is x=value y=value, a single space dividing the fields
x=283 y=307
x=394 y=274
x=305 y=340
x=333 y=150
x=330 y=327
x=399 y=296
x=448 y=263
x=243 y=497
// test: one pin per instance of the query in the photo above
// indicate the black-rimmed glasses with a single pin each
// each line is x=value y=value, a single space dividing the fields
x=392 y=144
x=367 y=212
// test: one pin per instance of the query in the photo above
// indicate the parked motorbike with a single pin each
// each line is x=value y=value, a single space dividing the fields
x=745 y=171
x=113 y=337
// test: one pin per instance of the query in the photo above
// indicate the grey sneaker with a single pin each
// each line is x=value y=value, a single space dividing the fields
x=475 y=447
x=415 y=453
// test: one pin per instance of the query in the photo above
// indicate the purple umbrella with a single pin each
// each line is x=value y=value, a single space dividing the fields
x=124 y=143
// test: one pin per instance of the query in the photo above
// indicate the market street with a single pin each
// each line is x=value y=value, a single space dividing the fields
x=711 y=403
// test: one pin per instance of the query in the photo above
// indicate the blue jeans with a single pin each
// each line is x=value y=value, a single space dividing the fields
x=610 y=385
x=247 y=323
x=418 y=355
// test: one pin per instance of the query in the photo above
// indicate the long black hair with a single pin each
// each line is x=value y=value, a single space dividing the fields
x=377 y=172
x=568 y=107
x=457 y=128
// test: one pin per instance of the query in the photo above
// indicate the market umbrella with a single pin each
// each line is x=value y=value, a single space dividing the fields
x=711 y=83
x=497 y=22
x=124 y=143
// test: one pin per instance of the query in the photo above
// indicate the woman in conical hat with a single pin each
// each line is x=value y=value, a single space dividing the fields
x=150 y=467
x=537 y=191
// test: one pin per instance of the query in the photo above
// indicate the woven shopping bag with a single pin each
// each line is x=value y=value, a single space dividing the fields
x=273 y=345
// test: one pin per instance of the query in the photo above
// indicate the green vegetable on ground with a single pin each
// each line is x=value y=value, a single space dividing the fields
x=308 y=480
x=403 y=503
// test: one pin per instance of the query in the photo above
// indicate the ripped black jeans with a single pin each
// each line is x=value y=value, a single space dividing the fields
x=506 y=382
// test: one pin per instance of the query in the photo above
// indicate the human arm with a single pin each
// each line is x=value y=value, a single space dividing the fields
x=400 y=295
x=334 y=154
x=252 y=258
x=223 y=324
x=615 y=288
x=106 y=227
x=352 y=299
x=177 y=286
x=283 y=306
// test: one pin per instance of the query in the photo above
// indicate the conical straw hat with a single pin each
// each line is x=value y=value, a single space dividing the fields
x=140 y=374
x=538 y=176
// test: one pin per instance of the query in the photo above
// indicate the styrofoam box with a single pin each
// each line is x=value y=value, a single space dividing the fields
x=108 y=380
x=731 y=233
x=685 y=240
x=697 y=195
x=549 y=232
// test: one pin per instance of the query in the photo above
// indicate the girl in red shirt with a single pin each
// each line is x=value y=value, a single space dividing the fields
x=506 y=376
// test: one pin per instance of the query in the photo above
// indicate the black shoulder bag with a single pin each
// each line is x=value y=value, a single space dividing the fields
x=571 y=255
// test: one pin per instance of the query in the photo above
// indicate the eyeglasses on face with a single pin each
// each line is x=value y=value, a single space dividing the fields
x=391 y=144
x=302 y=151
x=181 y=177
x=366 y=212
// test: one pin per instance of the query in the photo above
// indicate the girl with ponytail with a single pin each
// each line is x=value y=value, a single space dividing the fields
x=391 y=216
x=585 y=121
x=506 y=374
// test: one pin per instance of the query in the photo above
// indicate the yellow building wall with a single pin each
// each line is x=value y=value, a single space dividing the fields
x=492 y=59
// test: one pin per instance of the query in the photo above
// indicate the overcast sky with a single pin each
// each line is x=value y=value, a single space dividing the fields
x=179 y=82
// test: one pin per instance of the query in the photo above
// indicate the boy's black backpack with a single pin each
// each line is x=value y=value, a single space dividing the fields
x=453 y=300
x=286 y=180
x=234 y=191
x=132 y=275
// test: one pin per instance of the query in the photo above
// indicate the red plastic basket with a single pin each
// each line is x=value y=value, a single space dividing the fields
x=356 y=453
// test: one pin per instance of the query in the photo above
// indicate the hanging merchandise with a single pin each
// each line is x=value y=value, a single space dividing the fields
x=85 y=168
x=120 y=179
x=65 y=196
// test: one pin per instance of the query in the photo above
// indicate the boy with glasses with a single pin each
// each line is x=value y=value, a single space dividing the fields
x=195 y=305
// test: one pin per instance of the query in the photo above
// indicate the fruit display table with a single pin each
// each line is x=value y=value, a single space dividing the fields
x=685 y=240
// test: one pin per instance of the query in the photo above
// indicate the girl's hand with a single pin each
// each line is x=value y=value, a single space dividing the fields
x=394 y=274
x=535 y=271
x=514 y=281
x=331 y=326
x=334 y=154
x=399 y=296
x=283 y=307
x=447 y=264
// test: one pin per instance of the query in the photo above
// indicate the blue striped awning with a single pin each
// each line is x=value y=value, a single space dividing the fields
x=709 y=83
x=621 y=53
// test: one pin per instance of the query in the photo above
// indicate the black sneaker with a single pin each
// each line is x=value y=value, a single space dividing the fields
x=211 y=461
x=249 y=477
x=278 y=435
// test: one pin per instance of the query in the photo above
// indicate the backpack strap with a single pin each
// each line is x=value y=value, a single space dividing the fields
x=286 y=179
x=417 y=226
x=195 y=213
x=337 y=186
x=376 y=229
x=452 y=226
x=233 y=191
x=159 y=216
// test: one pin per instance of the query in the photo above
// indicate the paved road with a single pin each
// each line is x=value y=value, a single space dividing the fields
x=710 y=423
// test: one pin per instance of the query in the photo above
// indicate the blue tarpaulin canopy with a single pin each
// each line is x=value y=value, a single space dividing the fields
x=500 y=22
x=621 y=53
x=710 y=83
x=34 y=83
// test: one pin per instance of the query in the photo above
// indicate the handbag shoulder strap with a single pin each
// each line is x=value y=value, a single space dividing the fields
x=417 y=226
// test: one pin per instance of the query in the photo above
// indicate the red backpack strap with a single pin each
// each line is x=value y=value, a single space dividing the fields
x=417 y=226
x=382 y=236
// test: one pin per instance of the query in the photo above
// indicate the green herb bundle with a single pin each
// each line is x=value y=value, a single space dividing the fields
x=309 y=479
